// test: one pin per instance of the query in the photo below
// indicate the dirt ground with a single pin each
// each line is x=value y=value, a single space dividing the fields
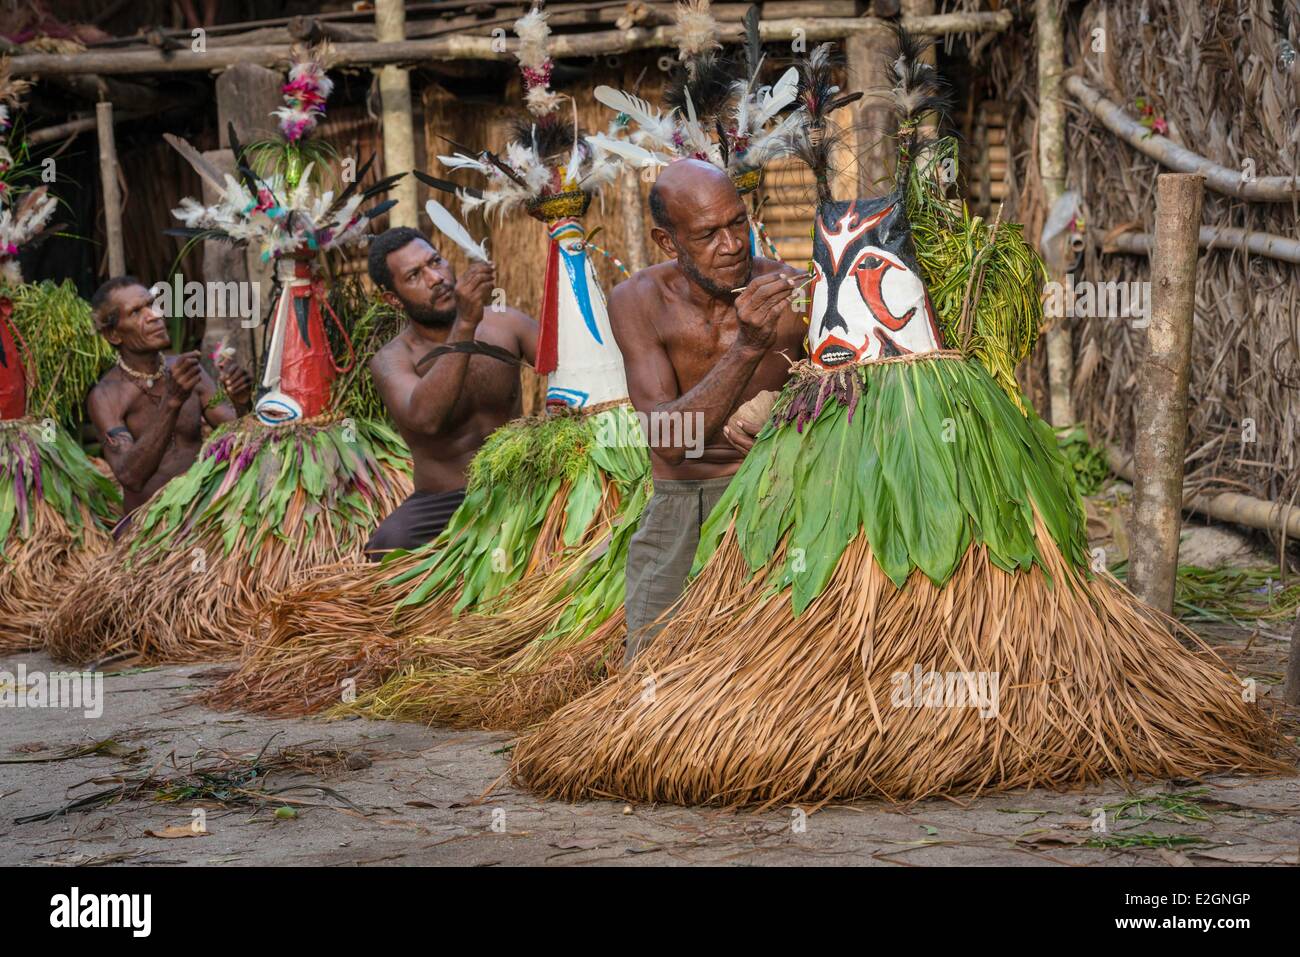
x=366 y=792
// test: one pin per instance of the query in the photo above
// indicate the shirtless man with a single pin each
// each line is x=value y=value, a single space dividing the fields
x=443 y=409
x=149 y=408
x=694 y=347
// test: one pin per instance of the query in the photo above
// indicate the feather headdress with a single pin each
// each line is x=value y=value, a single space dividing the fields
x=24 y=213
x=277 y=199
x=716 y=109
x=535 y=62
x=549 y=166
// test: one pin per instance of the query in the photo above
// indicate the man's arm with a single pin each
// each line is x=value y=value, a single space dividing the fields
x=651 y=381
x=525 y=335
x=134 y=460
x=422 y=403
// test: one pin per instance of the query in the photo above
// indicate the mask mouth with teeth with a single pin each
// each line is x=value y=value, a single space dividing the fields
x=867 y=298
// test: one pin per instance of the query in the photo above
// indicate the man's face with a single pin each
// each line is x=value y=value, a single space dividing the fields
x=140 y=327
x=711 y=238
x=424 y=283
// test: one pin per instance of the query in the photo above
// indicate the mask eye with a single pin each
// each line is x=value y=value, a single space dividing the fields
x=870 y=262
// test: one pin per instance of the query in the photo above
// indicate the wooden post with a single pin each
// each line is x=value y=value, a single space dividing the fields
x=634 y=211
x=1051 y=169
x=112 y=194
x=1161 y=436
x=399 y=132
x=246 y=95
x=873 y=149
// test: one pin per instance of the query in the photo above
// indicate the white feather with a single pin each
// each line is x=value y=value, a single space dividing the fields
x=638 y=155
x=450 y=226
x=653 y=123
x=461 y=161
x=781 y=95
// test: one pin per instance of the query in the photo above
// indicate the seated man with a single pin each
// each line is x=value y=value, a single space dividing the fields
x=700 y=335
x=149 y=408
x=445 y=408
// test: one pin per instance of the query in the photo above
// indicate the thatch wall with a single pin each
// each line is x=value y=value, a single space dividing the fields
x=1211 y=72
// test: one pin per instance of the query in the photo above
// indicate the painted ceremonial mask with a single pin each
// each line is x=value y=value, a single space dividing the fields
x=13 y=377
x=299 y=364
x=867 y=300
x=576 y=346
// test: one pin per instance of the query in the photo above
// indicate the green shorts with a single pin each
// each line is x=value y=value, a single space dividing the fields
x=661 y=552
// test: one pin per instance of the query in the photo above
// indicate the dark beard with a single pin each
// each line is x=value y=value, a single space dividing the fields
x=704 y=282
x=425 y=315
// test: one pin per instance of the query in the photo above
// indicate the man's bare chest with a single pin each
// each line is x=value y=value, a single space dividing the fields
x=145 y=407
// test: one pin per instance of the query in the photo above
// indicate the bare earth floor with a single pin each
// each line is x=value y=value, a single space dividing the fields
x=380 y=793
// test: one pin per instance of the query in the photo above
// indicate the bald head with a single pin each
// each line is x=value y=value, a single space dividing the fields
x=683 y=186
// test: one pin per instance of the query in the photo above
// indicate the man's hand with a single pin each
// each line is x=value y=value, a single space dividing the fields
x=759 y=308
x=473 y=289
x=743 y=427
x=238 y=385
x=182 y=378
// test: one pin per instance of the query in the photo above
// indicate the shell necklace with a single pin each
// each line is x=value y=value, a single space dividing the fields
x=148 y=379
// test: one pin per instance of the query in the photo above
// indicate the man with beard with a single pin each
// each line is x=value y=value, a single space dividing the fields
x=445 y=408
x=700 y=336
x=149 y=409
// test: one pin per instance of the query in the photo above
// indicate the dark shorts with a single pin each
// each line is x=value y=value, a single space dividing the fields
x=421 y=518
x=661 y=552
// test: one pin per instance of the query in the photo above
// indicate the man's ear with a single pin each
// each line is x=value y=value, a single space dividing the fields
x=664 y=240
x=391 y=298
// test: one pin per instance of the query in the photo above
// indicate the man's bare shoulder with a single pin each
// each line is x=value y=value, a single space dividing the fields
x=109 y=392
x=643 y=288
x=393 y=356
x=505 y=327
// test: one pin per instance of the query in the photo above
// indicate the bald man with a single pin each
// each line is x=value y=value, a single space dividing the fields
x=700 y=335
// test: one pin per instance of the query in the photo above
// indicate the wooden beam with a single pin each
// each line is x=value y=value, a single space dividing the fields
x=1160 y=443
x=112 y=194
x=82 y=124
x=1282 y=248
x=399 y=132
x=466 y=47
x=1221 y=179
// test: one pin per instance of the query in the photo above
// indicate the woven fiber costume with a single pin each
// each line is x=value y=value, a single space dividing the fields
x=571 y=621
x=55 y=506
x=893 y=597
x=304 y=480
x=544 y=494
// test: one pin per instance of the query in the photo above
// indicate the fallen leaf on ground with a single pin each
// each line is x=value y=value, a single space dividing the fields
x=176 y=830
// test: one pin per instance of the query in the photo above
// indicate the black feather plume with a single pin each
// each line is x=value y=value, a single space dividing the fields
x=918 y=89
x=446 y=185
x=753 y=43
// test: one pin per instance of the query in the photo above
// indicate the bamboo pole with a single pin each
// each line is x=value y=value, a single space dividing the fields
x=1051 y=169
x=112 y=194
x=1231 y=507
x=1221 y=179
x=399 y=132
x=467 y=47
x=1282 y=248
x=1160 y=443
